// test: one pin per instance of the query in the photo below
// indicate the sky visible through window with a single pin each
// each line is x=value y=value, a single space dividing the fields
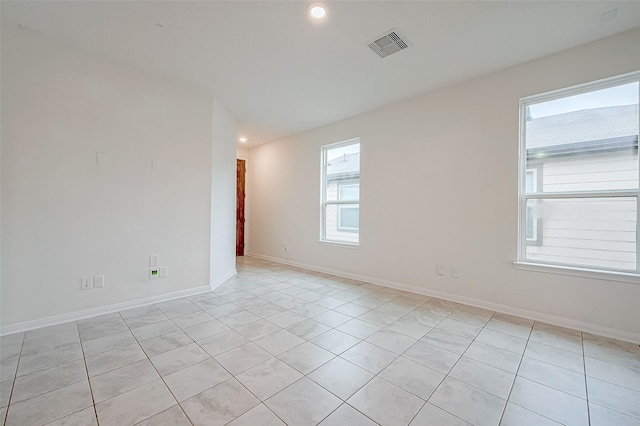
x=332 y=154
x=626 y=94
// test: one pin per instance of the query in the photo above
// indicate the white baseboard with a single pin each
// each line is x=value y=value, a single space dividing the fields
x=87 y=313
x=523 y=313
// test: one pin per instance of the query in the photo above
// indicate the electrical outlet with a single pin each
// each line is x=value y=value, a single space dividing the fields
x=153 y=273
x=98 y=281
x=284 y=247
x=163 y=271
x=153 y=260
x=85 y=283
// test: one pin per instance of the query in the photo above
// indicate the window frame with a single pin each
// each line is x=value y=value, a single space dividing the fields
x=323 y=194
x=522 y=241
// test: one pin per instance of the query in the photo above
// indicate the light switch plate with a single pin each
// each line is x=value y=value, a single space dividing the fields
x=98 y=281
x=163 y=272
x=153 y=260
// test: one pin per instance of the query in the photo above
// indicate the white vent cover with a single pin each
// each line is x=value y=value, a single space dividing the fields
x=391 y=42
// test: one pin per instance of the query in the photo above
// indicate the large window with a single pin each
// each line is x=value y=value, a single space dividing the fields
x=341 y=192
x=578 y=187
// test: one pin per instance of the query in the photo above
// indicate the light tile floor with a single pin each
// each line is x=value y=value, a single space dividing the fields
x=279 y=345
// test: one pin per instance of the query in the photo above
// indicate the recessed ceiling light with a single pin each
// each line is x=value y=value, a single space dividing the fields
x=242 y=139
x=318 y=12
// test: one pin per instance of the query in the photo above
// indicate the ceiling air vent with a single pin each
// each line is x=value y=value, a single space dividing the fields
x=391 y=42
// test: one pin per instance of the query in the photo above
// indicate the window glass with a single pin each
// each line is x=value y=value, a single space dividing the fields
x=579 y=188
x=341 y=192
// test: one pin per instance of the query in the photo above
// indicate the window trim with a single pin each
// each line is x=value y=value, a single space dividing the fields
x=323 y=193
x=599 y=274
x=522 y=242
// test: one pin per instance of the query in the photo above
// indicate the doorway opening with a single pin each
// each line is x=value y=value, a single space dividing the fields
x=241 y=170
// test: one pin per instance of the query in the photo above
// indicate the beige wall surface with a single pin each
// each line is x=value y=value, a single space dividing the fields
x=64 y=216
x=439 y=177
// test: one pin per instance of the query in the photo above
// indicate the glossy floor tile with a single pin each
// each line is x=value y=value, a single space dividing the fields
x=279 y=345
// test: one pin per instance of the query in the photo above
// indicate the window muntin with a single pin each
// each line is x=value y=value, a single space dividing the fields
x=341 y=192
x=579 y=177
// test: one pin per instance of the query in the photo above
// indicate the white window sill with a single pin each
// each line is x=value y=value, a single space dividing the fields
x=625 y=277
x=340 y=244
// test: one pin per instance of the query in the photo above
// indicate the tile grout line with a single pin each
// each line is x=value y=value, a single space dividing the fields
x=521 y=355
x=426 y=401
x=417 y=340
x=557 y=366
x=84 y=359
x=15 y=377
x=406 y=350
x=458 y=360
x=434 y=327
x=343 y=401
x=586 y=384
x=516 y=373
x=156 y=370
x=136 y=387
x=262 y=402
x=305 y=340
x=52 y=390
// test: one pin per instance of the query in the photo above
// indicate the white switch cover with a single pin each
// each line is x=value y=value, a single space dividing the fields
x=85 y=283
x=440 y=269
x=155 y=164
x=102 y=158
x=98 y=281
x=163 y=272
x=153 y=260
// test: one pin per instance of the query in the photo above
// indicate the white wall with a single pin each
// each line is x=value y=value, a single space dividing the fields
x=223 y=196
x=242 y=152
x=64 y=216
x=439 y=185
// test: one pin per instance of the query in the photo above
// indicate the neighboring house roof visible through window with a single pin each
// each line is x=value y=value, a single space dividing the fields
x=344 y=167
x=594 y=130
